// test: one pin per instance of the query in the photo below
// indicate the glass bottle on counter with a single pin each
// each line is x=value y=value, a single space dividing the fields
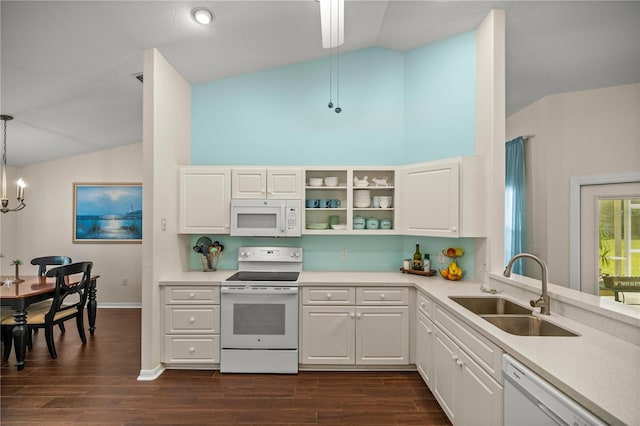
x=417 y=259
x=426 y=265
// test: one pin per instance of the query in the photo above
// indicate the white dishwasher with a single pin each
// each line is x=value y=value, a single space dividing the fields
x=530 y=400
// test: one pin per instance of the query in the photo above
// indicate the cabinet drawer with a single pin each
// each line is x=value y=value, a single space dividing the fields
x=192 y=319
x=192 y=349
x=382 y=296
x=485 y=353
x=425 y=305
x=328 y=296
x=194 y=295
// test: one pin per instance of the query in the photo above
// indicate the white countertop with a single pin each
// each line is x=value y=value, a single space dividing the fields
x=599 y=371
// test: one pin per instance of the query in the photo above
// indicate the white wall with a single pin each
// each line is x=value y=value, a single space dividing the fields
x=45 y=226
x=577 y=134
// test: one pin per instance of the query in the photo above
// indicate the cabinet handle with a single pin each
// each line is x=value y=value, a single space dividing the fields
x=192 y=320
x=192 y=349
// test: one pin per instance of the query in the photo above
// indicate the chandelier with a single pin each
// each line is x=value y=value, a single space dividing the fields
x=20 y=190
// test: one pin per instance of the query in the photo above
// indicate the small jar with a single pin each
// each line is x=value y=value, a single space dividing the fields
x=372 y=223
x=406 y=264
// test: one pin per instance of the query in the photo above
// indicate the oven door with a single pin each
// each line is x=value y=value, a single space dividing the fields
x=258 y=317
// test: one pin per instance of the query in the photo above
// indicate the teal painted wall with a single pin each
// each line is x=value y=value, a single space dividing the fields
x=280 y=116
x=398 y=108
x=440 y=99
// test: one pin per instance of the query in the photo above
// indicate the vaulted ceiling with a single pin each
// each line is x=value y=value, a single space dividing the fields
x=67 y=67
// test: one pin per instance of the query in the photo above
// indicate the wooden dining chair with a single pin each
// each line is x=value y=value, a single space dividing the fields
x=45 y=261
x=68 y=302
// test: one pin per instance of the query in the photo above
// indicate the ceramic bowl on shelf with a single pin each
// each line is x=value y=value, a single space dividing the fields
x=315 y=181
x=339 y=227
x=331 y=181
x=317 y=226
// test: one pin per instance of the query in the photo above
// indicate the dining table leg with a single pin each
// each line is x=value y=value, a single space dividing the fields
x=20 y=330
x=92 y=306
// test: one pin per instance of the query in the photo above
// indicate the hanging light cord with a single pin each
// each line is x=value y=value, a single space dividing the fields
x=330 y=53
x=338 y=109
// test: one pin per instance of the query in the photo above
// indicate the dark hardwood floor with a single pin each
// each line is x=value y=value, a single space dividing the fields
x=97 y=384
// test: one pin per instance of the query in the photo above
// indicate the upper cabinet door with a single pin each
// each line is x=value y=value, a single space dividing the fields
x=284 y=183
x=261 y=183
x=205 y=200
x=249 y=183
x=444 y=198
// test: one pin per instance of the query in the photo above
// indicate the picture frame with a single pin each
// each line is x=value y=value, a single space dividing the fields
x=107 y=212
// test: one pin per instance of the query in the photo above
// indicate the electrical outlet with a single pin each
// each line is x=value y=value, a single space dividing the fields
x=344 y=254
x=441 y=258
x=125 y=281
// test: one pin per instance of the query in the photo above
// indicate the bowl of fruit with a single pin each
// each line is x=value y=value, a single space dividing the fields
x=453 y=252
x=452 y=272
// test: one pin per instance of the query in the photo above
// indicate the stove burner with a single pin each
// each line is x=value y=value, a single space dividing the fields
x=263 y=276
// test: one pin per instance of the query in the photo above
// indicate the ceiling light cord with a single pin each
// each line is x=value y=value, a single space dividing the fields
x=330 y=105
x=338 y=109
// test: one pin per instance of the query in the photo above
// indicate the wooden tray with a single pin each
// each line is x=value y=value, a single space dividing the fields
x=423 y=273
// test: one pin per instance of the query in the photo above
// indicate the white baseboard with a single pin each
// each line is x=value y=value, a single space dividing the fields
x=119 y=305
x=148 y=375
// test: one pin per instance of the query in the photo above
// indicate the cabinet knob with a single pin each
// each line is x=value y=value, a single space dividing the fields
x=454 y=357
x=382 y=296
x=429 y=331
x=454 y=229
x=359 y=315
x=192 y=349
x=192 y=320
x=328 y=295
x=191 y=295
x=351 y=315
x=422 y=305
x=460 y=363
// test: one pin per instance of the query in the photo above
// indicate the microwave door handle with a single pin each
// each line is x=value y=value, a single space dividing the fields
x=283 y=215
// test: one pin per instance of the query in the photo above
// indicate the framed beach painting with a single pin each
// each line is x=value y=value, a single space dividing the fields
x=107 y=212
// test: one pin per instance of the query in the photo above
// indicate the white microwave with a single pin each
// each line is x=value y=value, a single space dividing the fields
x=265 y=218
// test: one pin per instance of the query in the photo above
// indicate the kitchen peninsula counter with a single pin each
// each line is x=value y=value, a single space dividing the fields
x=599 y=371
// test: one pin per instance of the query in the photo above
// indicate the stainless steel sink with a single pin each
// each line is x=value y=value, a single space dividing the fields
x=490 y=305
x=527 y=325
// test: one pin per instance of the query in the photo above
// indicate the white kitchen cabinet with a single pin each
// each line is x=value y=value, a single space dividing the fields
x=273 y=183
x=382 y=183
x=191 y=324
x=424 y=348
x=444 y=198
x=468 y=393
x=205 y=200
x=338 y=330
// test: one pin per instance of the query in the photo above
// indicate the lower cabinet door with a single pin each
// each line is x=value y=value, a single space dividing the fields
x=424 y=348
x=328 y=335
x=481 y=395
x=446 y=374
x=192 y=349
x=382 y=335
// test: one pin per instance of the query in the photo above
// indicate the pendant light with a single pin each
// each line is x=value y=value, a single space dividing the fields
x=332 y=25
x=20 y=188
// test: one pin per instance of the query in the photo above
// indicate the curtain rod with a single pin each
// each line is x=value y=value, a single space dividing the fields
x=527 y=137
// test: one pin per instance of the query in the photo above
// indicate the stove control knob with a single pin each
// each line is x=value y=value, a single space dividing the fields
x=244 y=254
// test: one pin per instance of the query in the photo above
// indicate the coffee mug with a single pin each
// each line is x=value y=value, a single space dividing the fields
x=334 y=220
x=376 y=201
x=334 y=203
x=385 y=201
x=312 y=203
x=325 y=203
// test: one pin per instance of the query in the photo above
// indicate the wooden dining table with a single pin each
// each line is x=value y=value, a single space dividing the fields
x=19 y=295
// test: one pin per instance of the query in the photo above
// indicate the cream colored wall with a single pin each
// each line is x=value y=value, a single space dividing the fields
x=577 y=134
x=490 y=124
x=166 y=144
x=45 y=226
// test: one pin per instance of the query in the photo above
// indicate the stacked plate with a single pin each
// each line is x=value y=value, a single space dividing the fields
x=362 y=198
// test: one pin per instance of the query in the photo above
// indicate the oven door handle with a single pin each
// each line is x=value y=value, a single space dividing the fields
x=259 y=290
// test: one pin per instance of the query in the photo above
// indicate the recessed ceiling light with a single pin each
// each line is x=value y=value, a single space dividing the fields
x=202 y=16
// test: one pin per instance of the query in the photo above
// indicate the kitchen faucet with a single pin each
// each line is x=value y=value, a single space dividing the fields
x=543 y=300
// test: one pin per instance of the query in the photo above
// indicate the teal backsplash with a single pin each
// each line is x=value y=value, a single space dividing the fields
x=365 y=253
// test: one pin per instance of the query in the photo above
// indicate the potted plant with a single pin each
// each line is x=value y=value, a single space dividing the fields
x=17 y=262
